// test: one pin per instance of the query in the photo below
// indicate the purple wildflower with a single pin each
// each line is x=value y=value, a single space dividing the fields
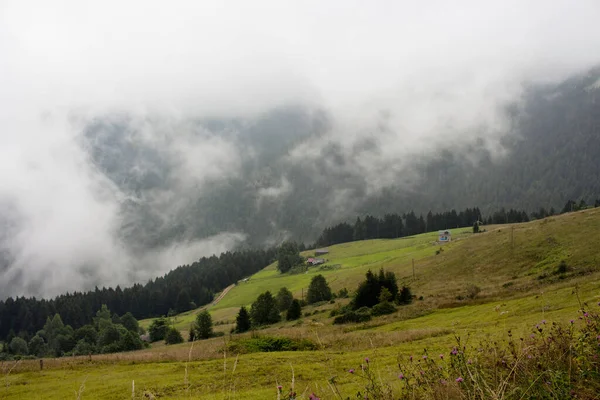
x=424 y=357
x=442 y=356
x=351 y=370
x=279 y=387
x=572 y=321
x=459 y=379
x=401 y=376
x=367 y=360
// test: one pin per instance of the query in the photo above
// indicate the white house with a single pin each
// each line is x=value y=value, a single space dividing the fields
x=444 y=236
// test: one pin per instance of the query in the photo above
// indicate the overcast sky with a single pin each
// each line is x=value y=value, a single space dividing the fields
x=426 y=66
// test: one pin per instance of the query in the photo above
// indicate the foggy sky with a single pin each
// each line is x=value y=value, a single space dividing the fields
x=408 y=77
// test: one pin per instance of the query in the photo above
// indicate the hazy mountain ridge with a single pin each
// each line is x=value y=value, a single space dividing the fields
x=264 y=186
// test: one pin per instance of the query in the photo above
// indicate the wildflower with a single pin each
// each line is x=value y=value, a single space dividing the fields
x=424 y=357
x=585 y=314
x=367 y=360
x=572 y=321
x=544 y=321
x=279 y=387
x=401 y=376
x=454 y=351
x=442 y=356
x=532 y=335
x=443 y=382
x=351 y=370
x=410 y=358
x=459 y=379
x=469 y=361
x=314 y=397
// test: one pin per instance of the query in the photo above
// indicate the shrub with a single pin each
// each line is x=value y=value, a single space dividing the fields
x=383 y=308
x=561 y=268
x=173 y=336
x=269 y=344
x=18 y=346
x=352 y=317
x=158 y=329
x=473 y=291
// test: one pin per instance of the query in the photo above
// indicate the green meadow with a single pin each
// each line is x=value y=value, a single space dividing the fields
x=478 y=287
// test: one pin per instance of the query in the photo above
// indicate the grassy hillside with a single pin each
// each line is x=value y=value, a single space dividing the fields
x=517 y=269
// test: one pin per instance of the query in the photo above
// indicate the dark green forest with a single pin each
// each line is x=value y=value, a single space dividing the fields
x=190 y=286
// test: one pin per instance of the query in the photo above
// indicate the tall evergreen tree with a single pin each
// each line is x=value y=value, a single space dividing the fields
x=242 y=321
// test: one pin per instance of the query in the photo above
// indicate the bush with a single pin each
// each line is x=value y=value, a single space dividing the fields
x=561 y=268
x=383 y=308
x=173 y=336
x=83 y=348
x=473 y=291
x=352 y=317
x=158 y=329
x=269 y=344
x=18 y=346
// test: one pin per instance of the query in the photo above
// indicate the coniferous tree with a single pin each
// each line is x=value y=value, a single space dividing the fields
x=318 y=290
x=242 y=321
x=173 y=336
x=284 y=299
x=204 y=325
x=294 y=311
x=264 y=310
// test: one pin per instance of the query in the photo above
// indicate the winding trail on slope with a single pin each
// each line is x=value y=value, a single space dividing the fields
x=223 y=293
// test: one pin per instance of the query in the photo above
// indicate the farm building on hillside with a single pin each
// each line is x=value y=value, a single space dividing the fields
x=444 y=236
x=315 y=261
x=321 y=252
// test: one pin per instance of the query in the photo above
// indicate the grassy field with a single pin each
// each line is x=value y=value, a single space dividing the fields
x=514 y=266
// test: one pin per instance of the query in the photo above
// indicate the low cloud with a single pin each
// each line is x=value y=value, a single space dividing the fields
x=120 y=121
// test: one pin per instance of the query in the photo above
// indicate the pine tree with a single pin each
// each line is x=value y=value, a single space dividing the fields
x=284 y=299
x=294 y=311
x=318 y=290
x=204 y=325
x=264 y=310
x=242 y=321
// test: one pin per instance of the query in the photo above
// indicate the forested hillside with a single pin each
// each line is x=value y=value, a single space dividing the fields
x=180 y=290
x=283 y=188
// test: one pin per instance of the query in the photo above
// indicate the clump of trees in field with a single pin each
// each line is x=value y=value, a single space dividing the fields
x=376 y=295
x=108 y=333
x=288 y=257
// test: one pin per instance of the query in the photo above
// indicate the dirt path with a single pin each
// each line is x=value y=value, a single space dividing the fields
x=223 y=293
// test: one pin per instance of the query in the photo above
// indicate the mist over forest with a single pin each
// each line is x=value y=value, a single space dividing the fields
x=127 y=152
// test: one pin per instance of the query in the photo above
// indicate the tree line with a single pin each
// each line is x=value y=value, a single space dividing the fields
x=392 y=226
x=182 y=289
x=107 y=333
x=189 y=286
